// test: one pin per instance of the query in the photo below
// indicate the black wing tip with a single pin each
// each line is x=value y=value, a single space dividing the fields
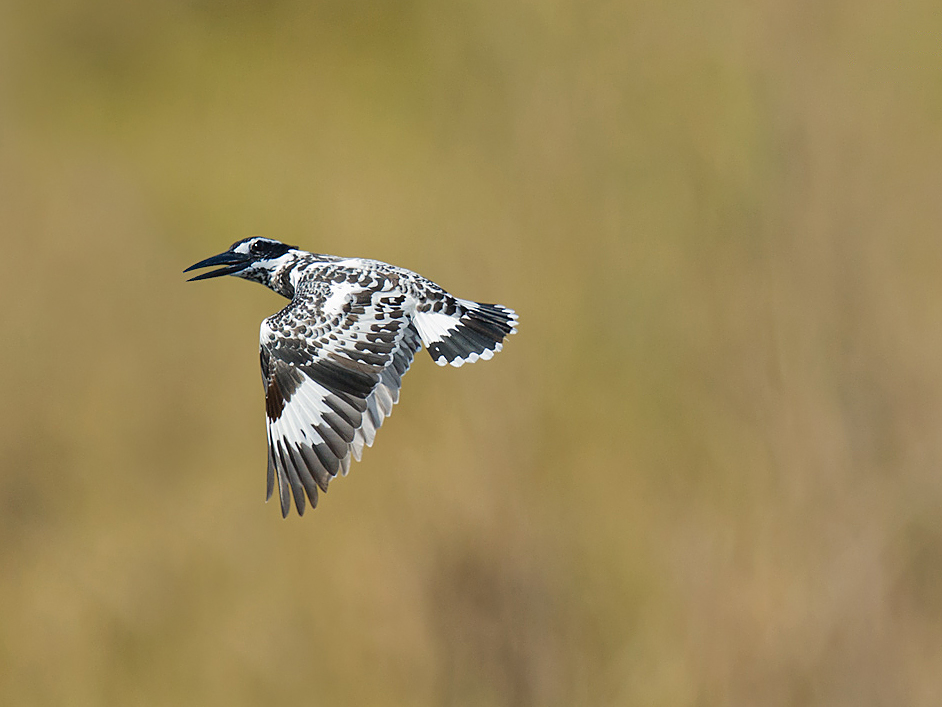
x=466 y=344
x=301 y=474
x=478 y=333
x=285 y=504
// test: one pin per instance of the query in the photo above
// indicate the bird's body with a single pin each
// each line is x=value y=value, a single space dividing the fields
x=333 y=359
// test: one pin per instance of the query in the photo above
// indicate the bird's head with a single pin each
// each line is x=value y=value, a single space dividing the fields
x=255 y=258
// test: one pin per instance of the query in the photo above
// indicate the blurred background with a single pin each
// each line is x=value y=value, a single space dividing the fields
x=705 y=472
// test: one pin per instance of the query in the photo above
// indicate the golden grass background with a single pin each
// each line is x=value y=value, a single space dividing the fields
x=705 y=472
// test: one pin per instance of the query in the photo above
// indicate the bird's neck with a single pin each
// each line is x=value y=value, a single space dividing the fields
x=282 y=282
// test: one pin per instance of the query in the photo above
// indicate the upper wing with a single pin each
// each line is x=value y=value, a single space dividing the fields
x=332 y=363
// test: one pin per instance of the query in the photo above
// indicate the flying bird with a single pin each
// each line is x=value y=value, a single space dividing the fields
x=333 y=359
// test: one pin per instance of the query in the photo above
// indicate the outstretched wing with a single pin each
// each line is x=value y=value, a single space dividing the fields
x=332 y=364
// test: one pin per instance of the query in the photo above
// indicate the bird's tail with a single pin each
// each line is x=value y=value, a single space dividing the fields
x=463 y=331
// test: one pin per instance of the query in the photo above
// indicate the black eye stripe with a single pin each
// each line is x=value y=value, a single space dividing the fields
x=268 y=249
x=261 y=248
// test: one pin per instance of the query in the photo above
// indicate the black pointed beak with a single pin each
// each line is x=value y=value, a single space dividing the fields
x=234 y=262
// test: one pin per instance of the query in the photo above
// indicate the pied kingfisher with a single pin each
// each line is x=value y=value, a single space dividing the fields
x=333 y=359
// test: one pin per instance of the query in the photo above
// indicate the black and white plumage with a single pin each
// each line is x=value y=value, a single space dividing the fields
x=333 y=359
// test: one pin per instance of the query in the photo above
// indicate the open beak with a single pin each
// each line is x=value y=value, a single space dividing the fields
x=233 y=262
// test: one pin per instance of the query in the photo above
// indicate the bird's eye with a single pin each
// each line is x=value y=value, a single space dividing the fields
x=256 y=248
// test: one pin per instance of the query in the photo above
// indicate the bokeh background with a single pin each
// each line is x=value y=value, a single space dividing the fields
x=707 y=471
